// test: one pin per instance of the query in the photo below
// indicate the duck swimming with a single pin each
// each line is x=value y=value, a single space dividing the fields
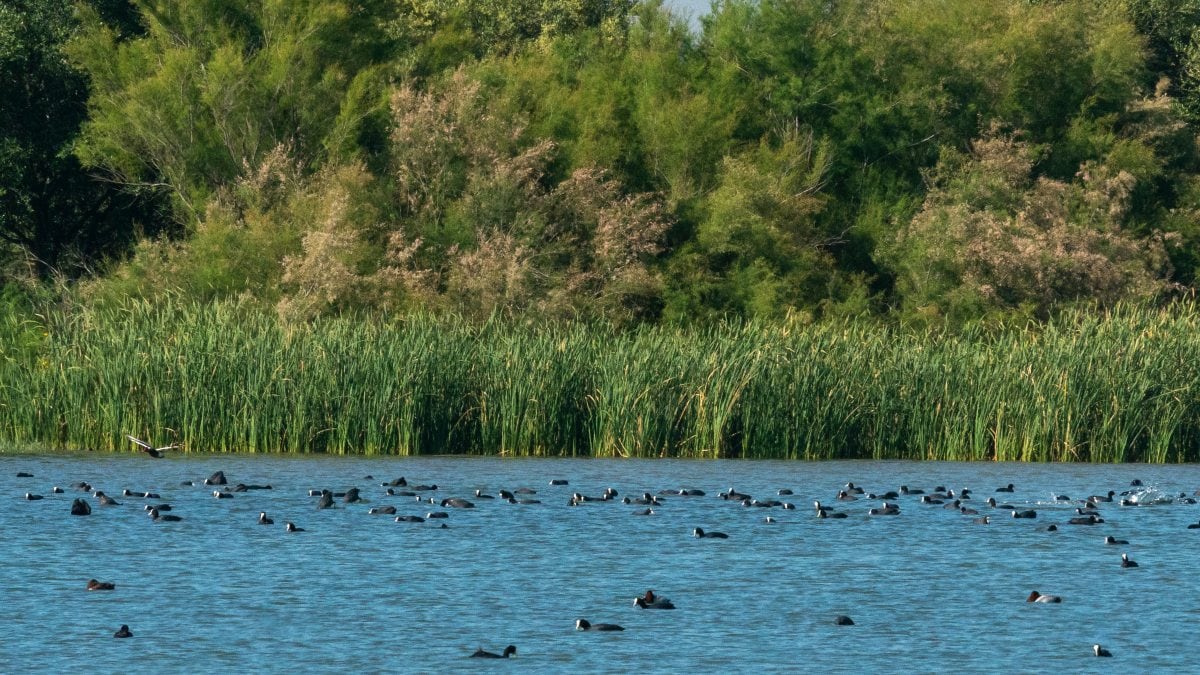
x=263 y=519
x=157 y=517
x=93 y=585
x=1126 y=562
x=1100 y=651
x=1006 y=488
x=123 y=632
x=701 y=534
x=292 y=528
x=582 y=624
x=842 y=620
x=1110 y=540
x=659 y=604
x=80 y=508
x=508 y=651
x=1034 y=596
x=105 y=500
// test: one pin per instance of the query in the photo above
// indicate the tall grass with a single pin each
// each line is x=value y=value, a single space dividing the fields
x=231 y=378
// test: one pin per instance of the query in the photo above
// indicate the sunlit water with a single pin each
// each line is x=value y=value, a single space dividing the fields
x=929 y=590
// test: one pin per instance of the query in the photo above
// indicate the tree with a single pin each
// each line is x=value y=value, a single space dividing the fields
x=50 y=208
x=994 y=237
x=215 y=85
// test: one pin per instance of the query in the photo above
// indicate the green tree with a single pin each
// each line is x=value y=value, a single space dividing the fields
x=214 y=86
x=993 y=237
x=50 y=208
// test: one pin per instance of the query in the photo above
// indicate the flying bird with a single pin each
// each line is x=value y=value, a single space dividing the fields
x=157 y=453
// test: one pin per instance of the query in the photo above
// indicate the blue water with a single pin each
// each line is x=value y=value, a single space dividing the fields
x=929 y=590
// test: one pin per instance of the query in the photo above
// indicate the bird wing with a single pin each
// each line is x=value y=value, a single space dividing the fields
x=174 y=446
x=140 y=442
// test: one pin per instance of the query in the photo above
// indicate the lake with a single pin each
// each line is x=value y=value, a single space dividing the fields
x=928 y=590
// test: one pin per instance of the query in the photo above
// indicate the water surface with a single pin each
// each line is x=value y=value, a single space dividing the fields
x=929 y=590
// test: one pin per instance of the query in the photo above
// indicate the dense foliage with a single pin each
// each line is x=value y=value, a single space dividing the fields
x=229 y=377
x=939 y=162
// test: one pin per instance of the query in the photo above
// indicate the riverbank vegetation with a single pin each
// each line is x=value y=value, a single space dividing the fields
x=791 y=228
x=931 y=163
x=228 y=377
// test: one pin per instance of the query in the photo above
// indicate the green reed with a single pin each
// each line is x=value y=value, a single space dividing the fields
x=229 y=377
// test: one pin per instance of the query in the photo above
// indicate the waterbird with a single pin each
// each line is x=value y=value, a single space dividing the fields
x=123 y=632
x=383 y=510
x=885 y=510
x=1034 y=596
x=154 y=452
x=457 y=503
x=24 y=474
x=1027 y=513
x=1126 y=562
x=701 y=534
x=56 y=490
x=222 y=495
x=508 y=651
x=652 y=600
x=1100 y=651
x=263 y=519
x=218 y=478
x=842 y=620
x=583 y=624
x=164 y=518
x=292 y=528
x=1006 y=488
x=93 y=585
x=29 y=496
x=80 y=508
x=1111 y=540
x=105 y=500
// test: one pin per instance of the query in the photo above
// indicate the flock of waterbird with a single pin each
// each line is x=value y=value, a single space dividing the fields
x=963 y=501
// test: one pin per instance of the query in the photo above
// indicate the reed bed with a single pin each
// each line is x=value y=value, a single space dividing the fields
x=1120 y=387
